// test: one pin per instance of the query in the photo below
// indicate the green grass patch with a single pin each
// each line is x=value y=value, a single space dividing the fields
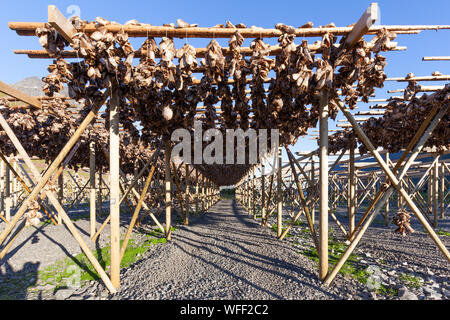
x=59 y=273
x=410 y=280
x=350 y=267
x=275 y=229
x=443 y=233
x=298 y=223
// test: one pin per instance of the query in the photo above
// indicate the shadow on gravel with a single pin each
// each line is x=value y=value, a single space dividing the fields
x=31 y=269
x=241 y=248
x=241 y=258
x=14 y=284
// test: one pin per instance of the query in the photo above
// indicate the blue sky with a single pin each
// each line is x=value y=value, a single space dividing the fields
x=259 y=13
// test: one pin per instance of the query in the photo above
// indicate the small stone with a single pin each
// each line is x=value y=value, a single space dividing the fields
x=63 y=294
x=435 y=296
x=363 y=261
x=445 y=292
x=391 y=273
x=431 y=293
x=405 y=294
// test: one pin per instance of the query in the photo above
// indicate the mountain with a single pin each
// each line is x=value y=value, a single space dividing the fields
x=33 y=87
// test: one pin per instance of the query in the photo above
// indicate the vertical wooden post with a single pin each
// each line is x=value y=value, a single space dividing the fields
x=2 y=185
x=100 y=187
x=435 y=192
x=254 y=193
x=430 y=191
x=60 y=193
x=249 y=188
x=15 y=191
x=206 y=195
x=386 y=206
x=263 y=196
x=168 y=190
x=114 y=172
x=279 y=195
x=187 y=192
x=8 y=193
x=442 y=190
x=203 y=194
x=196 y=191
x=61 y=187
x=323 y=217
x=312 y=187
x=93 y=220
x=351 y=205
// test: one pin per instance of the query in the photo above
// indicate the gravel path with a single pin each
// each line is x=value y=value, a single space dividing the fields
x=225 y=254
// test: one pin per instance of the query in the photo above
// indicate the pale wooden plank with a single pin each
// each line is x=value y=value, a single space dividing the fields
x=19 y=95
x=57 y=20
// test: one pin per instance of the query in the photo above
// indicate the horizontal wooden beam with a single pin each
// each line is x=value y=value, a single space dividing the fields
x=199 y=52
x=441 y=58
x=421 y=89
x=19 y=95
x=146 y=30
x=424 y=78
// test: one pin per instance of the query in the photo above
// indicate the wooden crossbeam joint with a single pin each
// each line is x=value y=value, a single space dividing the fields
x=57 y=20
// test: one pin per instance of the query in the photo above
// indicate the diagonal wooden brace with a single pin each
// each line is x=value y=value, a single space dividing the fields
x=395 y=184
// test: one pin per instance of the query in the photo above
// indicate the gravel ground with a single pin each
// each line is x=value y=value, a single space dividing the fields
x=225 y=254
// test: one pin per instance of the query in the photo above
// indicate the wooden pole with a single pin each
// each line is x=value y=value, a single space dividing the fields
x=311 y=189
x=187 y=204
x=323 y=218
x=136 y=212
x=263 y=195
x=435 y=192
x=92 y=190
x=443 y=58
x=203 y=194
x=249 y=192
x=61 y=187
x=14 y=186
x=196 y=191
x=442 y=190
x=29 y=29
x=100 y=189
x=114 y=176
x=254 y=193
x=386 y=206
x=168 y=190
x=351 y=186
x=8 y=193
x=279 y=195
x=2 y=188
